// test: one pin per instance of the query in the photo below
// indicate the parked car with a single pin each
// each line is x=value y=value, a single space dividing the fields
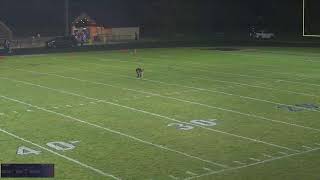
x=263 y=35
x=62 y=42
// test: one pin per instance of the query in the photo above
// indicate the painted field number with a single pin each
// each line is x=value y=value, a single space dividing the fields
x=204 y=122
x=181 y=126
x=23 y=151
x=187 y=127
x=59 y=146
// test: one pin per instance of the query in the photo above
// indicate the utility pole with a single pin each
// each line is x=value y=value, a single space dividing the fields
x=67 y=30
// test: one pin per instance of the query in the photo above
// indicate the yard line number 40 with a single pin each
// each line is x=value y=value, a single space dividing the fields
x=59 y=146
x=187 y=127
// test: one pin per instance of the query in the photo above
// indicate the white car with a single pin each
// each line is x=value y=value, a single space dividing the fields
x=263 y=35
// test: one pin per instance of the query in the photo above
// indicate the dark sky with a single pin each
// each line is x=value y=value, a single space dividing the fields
x=157 y=16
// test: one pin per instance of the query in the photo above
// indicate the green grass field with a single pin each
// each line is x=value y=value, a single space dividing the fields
x=198 y=113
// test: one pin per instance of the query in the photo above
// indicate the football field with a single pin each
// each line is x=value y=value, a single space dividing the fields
x=198 y=113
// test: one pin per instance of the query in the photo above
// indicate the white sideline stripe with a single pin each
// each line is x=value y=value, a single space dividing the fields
x=267 y=155
x=180 y=92
x=115 y=132
x=254 y=159
x=254 y=164
x=256 y=86
x=60 y=155
x=186 y=101
x=156 y=115
x=238 y=162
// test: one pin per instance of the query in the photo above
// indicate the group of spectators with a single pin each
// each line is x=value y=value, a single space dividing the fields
x=7 y=46
x=82 y=37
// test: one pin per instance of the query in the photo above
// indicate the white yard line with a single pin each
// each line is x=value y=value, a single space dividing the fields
x=243 y=97
x=256 y=86
x=302 y=83
x=293 y=92
x=209 y=65
x=154 y=114
x=115 y=132
x=220 y=72
x=60 y=155
x=254 y=164
x=185 y=101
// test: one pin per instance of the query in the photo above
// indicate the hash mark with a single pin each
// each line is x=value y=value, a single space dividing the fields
x=317 y=144
x=283 y=153
x=207 y=169
x=191 y=173
x=15 y=112
x=74 y=142
x=55 y=107
x=307 y=147
x=267 y=155
x=68 y=106
x=173 y=177
x=254 y=159
x=238 y=162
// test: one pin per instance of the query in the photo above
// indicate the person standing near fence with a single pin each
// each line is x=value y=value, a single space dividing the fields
x=6 y=45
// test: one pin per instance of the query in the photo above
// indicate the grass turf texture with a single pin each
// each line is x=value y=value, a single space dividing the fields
x=125 y=128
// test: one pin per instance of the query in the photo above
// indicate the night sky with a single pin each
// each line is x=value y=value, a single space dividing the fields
x=157 y=16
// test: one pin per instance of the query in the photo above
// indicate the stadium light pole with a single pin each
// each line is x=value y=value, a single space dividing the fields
x=303 y=18
x=304 y=22
x=67 y=30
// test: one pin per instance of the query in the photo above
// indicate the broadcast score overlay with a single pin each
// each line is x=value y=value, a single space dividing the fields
x=27 y=171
